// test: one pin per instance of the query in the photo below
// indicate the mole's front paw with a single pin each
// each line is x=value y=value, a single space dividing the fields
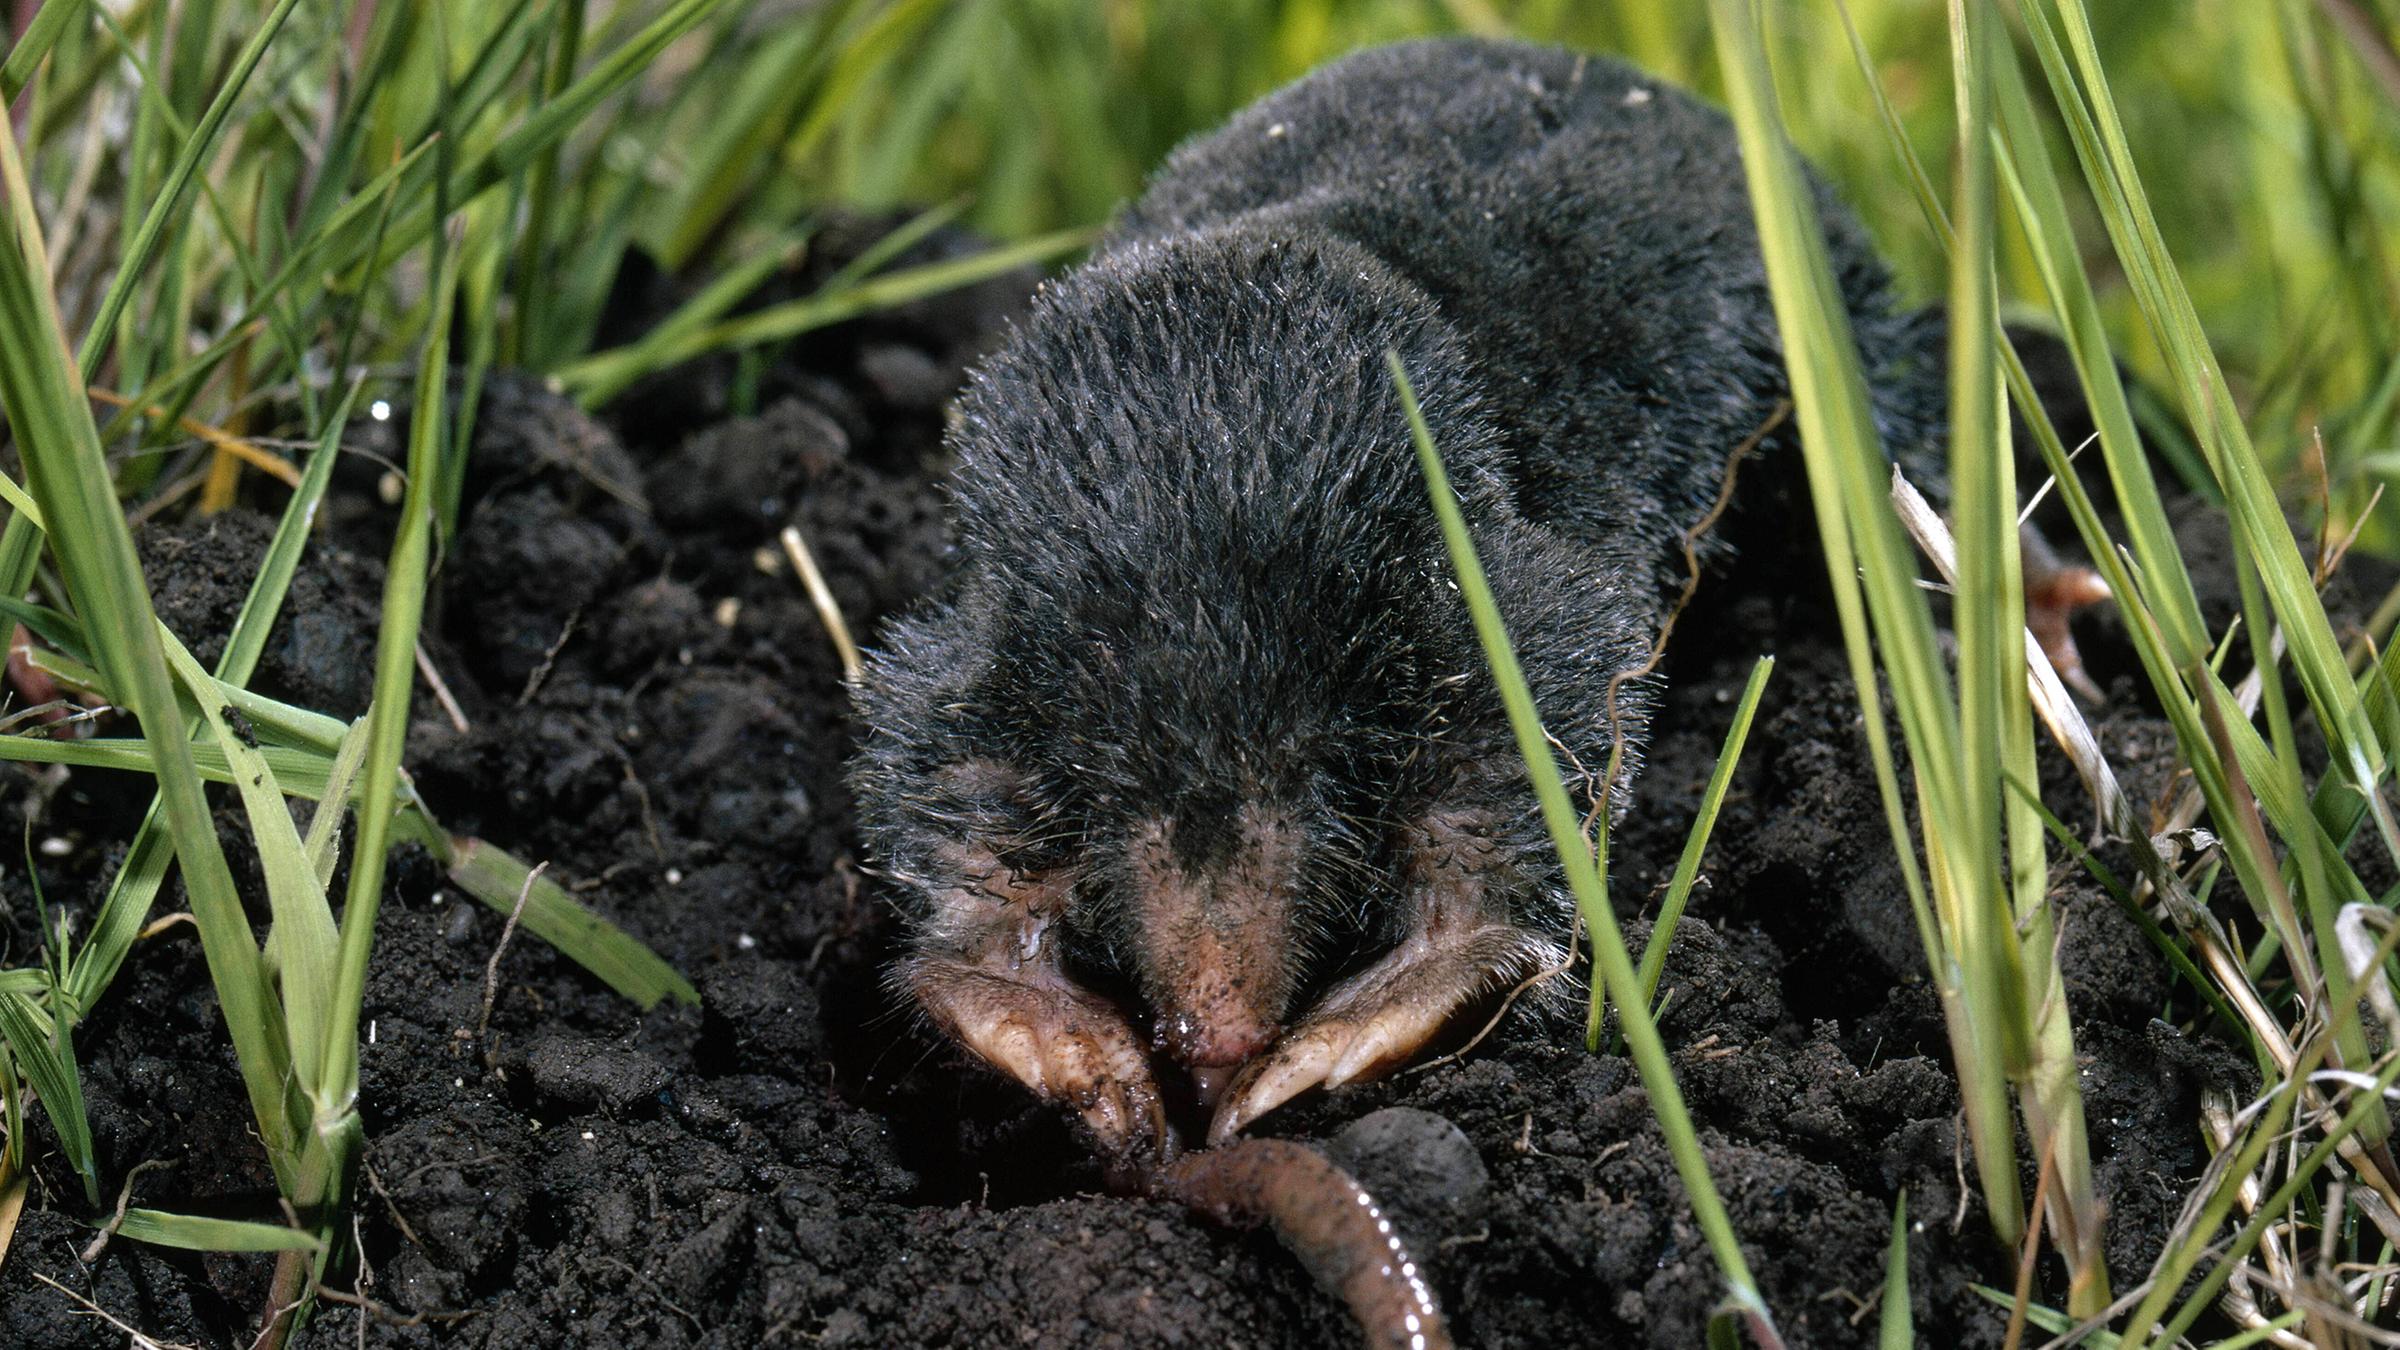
x=2054 y=590
x=1069 y=1045
x=1384 y=1016
x=1324 y=1052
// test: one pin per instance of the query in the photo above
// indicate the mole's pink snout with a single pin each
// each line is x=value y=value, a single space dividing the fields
x=1218 y=959
x=1213 y=1036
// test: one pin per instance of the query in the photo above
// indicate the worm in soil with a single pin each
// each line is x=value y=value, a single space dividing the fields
x=1325 y=1218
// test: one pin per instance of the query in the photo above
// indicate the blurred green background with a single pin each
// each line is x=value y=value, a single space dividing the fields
x=2267 y=143
x=718 y=132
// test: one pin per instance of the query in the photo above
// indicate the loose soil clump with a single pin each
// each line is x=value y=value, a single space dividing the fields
x=646 y=699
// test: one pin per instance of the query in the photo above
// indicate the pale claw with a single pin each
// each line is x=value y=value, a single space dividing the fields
x=1067 y=1045
x=1382 y=1017
x=1326 y=1053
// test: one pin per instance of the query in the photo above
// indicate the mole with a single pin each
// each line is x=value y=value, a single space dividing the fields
x=1191 y=780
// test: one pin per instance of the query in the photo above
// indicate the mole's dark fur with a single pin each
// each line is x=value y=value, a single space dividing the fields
x=1200 y=720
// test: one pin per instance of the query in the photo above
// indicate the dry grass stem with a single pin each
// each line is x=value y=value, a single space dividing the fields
x=804 y=564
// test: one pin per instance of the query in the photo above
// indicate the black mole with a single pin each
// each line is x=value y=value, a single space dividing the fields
x=1196 y=758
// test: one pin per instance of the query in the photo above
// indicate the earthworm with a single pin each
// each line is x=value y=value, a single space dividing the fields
x=1326 y=1219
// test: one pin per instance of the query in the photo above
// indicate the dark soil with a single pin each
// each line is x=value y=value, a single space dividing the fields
x=652 y=705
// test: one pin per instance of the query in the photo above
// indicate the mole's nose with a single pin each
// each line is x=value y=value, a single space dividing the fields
x=1215 y=954
x=1220 y=1037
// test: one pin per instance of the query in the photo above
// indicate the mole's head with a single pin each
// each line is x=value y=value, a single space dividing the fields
x=1201 y=647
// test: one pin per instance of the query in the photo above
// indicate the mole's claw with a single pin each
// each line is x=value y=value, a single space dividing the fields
x=1382 y=1017
x=1300 y=1061
x=1118 y=1101
x=1068 y=1045
x=1331 y=1051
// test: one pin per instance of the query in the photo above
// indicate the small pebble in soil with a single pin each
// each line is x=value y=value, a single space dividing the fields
x=1422 y=1169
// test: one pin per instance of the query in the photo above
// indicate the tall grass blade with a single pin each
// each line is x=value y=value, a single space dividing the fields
x=1575 y=857
x=1985 y=921
x=597 y=378
x=166 y=208
x=1988 y=615
x=1695 y=845
x=2008 y=939
x=1873 y=573
x=34 y=44
x=395 y=679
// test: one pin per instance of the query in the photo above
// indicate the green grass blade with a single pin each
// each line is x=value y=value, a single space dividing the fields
x=55 y=627
x=2012 y=943
x=46 y=1054
x=1873 y=574
x=166 y=208
x=395 y=678
x=1895 y=1328
x=324 y=842
x=1695 y=845
x=302 y=773
x=496 y=878
x=34 y=44
x=190 y=1232
x=1576 y=858
x=2047 y=1319
x=597 y=378
x=301 y=941
x=1967 y=833
x=273 y=720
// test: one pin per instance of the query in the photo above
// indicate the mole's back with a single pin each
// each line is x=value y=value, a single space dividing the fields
x=1585 y=227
